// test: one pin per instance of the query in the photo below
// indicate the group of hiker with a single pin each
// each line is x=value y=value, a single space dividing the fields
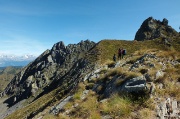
x=121 y=53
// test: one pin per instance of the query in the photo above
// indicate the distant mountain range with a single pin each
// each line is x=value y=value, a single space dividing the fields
x=13 y=60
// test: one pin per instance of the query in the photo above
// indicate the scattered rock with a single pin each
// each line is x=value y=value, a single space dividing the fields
x=159 y=74
x=85 y=92
x=56 y=109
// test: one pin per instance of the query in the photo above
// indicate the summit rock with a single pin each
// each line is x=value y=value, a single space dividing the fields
x=152 y=28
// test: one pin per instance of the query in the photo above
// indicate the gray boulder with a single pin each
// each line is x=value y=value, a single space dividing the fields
x=134 y=85
x=56 y=109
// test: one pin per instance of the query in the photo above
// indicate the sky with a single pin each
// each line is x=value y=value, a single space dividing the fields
x=32 y=26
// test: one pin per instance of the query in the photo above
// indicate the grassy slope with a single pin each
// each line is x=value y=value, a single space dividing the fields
x=6 y=75
x=103 y=51
x=117 y=106
x=109 y=47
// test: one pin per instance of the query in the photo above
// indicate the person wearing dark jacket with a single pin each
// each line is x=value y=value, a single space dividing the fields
x=119 y=54
x=114 y=57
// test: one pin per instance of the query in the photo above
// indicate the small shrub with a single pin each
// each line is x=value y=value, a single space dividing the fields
x=131 y=61
x=178 y=60
x=78 y=93
x=130 y=75
x=177 y=66
x=89 y=86
x=110 y=73
x=143 y=71
x=118 y=82
x=99 y=89
x=110 y=63
x=178 y=79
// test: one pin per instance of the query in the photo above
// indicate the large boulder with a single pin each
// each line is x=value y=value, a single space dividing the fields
x=136 y=84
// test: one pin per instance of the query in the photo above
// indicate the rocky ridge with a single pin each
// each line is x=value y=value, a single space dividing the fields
x=50 y=70
x=152 y=28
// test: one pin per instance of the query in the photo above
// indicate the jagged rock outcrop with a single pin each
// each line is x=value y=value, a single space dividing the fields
x=152 y=28
x=62 y=64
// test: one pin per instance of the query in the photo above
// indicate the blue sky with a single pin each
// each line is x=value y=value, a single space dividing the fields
x=32 y=26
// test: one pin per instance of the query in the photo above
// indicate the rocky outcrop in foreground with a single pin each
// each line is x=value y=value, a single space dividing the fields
x=152 y=28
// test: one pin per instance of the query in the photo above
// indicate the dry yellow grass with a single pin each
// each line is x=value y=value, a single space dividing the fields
x=79 y=91
x=109 y=63
x=171 y=89
x=49 y=116
x=145 y=113
x=171 y=54
x=117 y=106
x=110 y=73
x=87 y=108
x=107 y=48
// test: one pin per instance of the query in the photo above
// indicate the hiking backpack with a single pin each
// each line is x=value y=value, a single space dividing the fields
x=124 y=51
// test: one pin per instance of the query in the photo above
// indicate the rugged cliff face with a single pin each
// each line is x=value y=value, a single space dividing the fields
x=52 y=68
x=152 y=28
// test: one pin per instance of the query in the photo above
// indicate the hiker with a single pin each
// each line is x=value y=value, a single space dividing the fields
x=119 y=54
x=114 y=57
x=123 y=53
